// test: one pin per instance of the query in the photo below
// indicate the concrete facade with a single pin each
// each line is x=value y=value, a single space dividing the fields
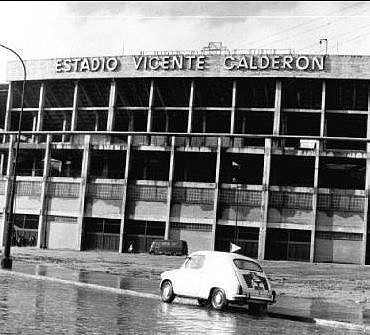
x=139 y=183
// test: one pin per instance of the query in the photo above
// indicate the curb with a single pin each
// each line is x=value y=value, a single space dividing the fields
x=320 y=322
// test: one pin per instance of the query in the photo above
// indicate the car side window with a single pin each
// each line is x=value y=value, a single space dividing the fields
x=195 y=262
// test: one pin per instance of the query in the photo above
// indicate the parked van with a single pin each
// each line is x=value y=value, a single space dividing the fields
x=169 y=247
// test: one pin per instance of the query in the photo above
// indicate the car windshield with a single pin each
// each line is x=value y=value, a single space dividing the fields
x=243 y=264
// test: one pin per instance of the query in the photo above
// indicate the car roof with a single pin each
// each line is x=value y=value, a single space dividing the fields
x=222 y=254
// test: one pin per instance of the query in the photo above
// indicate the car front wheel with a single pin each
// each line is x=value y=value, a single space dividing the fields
x=167 y=294
x=218 y=299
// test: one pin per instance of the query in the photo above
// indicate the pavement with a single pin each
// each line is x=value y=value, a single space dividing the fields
x=341 y=284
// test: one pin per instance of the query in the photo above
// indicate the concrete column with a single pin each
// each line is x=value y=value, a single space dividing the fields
x=112 y=104
x=190 y=112
x=124 y=194
x=42 y=231
x=83 y=189
x=150 y=110
x=265 y=199
x=34 y=126
x=9 y=104
x=367 y=184
x=40 y=112
x=75 y=107
x=2 y=159
x=233 y=108
x=314 y=201
x=64 y=126
x=217 y=187
x=169 y=189
x=322 y=114
x=8 y=185
x=277 y=112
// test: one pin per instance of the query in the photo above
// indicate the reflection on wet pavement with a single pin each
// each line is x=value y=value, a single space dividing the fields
x=30 y=306
x=310 y=308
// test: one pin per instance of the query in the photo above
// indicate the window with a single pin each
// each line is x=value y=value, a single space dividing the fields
x=195 y=262
x=243 y=264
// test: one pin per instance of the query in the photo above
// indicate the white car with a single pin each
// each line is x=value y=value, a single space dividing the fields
x=219 y=278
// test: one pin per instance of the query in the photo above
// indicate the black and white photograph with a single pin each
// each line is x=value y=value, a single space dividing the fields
x=184 y=167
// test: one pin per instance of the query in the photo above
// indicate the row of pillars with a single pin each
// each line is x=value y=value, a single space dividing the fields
x=266 y=171
x=42 y=240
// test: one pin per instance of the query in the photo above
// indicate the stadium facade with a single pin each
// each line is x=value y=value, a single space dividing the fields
x=265 y=150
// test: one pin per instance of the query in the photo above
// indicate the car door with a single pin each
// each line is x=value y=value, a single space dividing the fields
x=189 y=277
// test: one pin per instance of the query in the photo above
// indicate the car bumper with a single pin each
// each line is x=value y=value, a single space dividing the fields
x=256 y=298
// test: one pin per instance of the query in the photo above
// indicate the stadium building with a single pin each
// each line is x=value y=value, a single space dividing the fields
x=266 y=149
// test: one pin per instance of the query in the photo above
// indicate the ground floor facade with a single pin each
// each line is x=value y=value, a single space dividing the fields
x=208 y=196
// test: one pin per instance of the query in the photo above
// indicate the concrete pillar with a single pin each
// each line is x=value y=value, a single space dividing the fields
x=216 y=193
x=2 y=160
x=75 y=107
x=190 y=112
x=64 y=126
x=150 y=110
x=42 y=229
x=233 y=108
x=112 y=104
x=124 y=194
x=83 y=189
x=265 y=199
x=8 y=185
x=34 y=126
x=277 y=112
x=40 y=112
x=367 y=184
x=9 y=104
x=322 y=114
x=314 y=201
x=169 y=189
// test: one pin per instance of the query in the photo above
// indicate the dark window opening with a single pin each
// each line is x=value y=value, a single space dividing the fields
x=31 y=94
x=92 y=120
x=107 y=164
x=171 y=92
x=196 y=167
x=301 y=93
x=133 y=92
x=346 y=125
x=256 y=93
x=292 y=171
x=213 y=92
x=93 y=93
x=66 y=163
x=30 y=163
x=346 y=94
x=342 y=173
x=150 y=165
x=59 y=93
x=288 y=244
x=242 y=169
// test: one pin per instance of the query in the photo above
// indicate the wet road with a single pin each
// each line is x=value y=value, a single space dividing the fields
x=34 y=306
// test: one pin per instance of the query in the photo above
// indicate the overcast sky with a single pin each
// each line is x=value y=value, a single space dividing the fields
x=65 y=29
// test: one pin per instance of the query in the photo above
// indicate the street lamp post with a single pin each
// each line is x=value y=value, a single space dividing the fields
x=6 y=261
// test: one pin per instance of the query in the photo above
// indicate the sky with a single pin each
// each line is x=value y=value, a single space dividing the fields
x=52 y=29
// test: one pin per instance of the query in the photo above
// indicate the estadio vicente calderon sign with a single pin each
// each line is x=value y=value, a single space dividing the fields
x=194 y=63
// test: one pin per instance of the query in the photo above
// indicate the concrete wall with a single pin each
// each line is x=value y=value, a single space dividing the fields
x=61 y=206
x=340 y=221
x=335 y=67
x=338 y=251
x=252 y=214
x=103 y=208
x=62 y=235
x=31 y=204
x=195 y=212
x=196 y=240
x=147 y=210
x=289 y=215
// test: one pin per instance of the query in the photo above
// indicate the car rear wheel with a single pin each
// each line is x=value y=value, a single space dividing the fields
x=167 y=294
x=218 y=299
